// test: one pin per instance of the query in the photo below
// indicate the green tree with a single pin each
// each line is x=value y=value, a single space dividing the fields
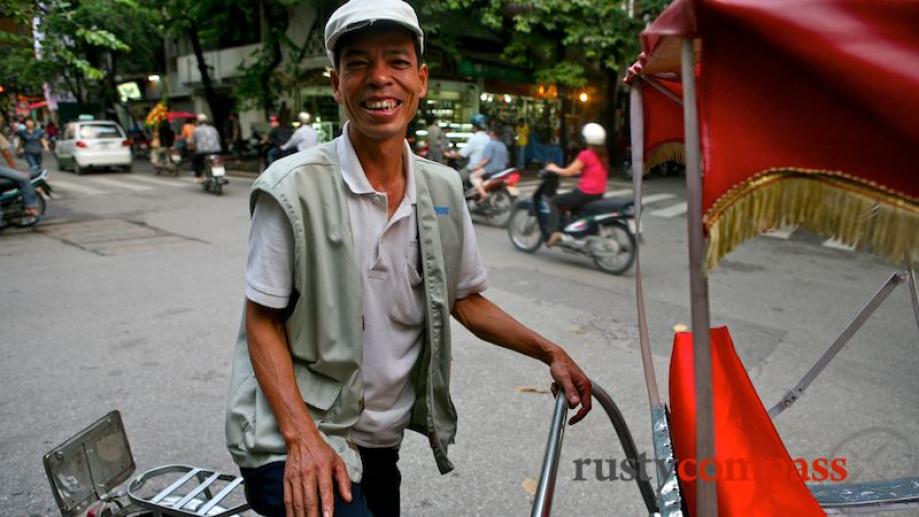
x=267 y=75
x=204 y=23
x=82 y=47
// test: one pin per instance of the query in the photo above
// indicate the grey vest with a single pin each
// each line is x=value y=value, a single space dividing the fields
x=324 y=324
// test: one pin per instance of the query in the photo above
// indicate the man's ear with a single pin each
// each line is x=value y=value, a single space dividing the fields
x=335 y=81
x=423 y=77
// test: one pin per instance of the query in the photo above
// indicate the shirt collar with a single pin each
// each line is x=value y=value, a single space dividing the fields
x=354 y=175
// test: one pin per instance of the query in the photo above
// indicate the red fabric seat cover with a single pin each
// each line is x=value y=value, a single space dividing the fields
x=756 y=476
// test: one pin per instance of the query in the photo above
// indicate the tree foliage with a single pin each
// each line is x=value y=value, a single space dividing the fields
x=276 y=67
x=564 y=41
x=81 y=46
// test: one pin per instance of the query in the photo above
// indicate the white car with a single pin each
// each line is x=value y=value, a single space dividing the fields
x=93 y=144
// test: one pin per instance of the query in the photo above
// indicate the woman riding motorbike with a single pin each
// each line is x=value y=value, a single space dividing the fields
x=592 y=165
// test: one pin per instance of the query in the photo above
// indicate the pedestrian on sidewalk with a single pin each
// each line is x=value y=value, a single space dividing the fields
x=523 y=138
x=359 y=254
x=33 y=142
x=437 y=140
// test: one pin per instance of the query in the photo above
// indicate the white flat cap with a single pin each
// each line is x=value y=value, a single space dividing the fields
x=358 y=14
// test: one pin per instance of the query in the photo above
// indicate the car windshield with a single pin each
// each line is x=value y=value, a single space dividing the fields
x=100 y=131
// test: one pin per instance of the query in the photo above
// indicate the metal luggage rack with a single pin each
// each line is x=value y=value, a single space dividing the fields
x=89 y=470
x=186 y=503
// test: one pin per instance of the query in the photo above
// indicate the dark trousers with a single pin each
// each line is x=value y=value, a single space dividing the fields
x=569 y=201
x=377 y=495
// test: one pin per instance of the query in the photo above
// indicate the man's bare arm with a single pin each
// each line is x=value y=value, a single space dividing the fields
x=488 y=322
x=311 y=463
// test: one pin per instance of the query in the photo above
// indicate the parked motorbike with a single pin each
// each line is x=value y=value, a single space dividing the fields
x=214 y=174
x=140 y=145
x=502 y=195
x=12 y=205
x=599 y=230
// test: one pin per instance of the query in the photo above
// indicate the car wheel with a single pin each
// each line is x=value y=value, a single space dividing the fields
x=127 y=168
x=77 y=169
x=60 y=163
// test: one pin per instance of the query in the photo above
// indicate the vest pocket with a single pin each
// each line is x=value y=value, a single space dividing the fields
x=318 y=391
x=408 y=298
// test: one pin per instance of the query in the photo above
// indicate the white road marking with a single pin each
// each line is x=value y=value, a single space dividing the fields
x=157 y=181
x=654 y=198
x=121 y=184
x=837 y=245
x=672 y=211
x=75 y=187
x=783 y=233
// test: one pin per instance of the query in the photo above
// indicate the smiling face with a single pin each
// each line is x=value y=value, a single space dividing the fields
x=379 y=82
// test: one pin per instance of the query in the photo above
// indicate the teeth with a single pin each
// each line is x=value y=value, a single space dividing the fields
x=381 y=105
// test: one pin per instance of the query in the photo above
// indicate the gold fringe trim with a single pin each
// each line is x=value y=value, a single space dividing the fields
x=833 y=205
x=666 y=152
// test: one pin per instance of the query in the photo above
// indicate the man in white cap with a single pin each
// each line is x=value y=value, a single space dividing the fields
x=360 y=252
x=304 y=137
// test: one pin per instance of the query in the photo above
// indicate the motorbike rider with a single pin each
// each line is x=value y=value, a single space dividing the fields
x=29 y=197
x=205 y=141
x=304 y=137
x=494 y=159
x=277 y=136
x=474 y=148
x=592 y=165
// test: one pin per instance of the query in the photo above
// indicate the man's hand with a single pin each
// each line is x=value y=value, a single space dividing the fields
x=311 y=464
x=311 y=469
x=573 y=381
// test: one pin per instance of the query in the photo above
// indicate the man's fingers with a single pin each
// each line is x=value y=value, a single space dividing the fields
x=344 y=482
x=584 y=389
x=326 y=497
x=570 y=391
x=294 y=498
x=579 y=416
x=311 y=505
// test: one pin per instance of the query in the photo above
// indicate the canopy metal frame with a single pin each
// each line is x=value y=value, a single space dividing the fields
x=849 y=498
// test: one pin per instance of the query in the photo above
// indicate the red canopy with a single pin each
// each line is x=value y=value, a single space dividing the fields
x=173 y=115
x=808 y=115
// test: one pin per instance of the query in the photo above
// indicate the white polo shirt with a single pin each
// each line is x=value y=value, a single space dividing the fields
x=392 y=288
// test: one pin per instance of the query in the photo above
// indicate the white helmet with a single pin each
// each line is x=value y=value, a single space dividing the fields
x=594 y=134
x=202 y=118
x=304 y=117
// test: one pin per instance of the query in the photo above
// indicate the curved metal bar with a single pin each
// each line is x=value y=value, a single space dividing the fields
x=644 y=340
x=542 y=504
x=628 y=446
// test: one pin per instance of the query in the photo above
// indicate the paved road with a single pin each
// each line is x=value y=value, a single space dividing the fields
x=128 y=296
